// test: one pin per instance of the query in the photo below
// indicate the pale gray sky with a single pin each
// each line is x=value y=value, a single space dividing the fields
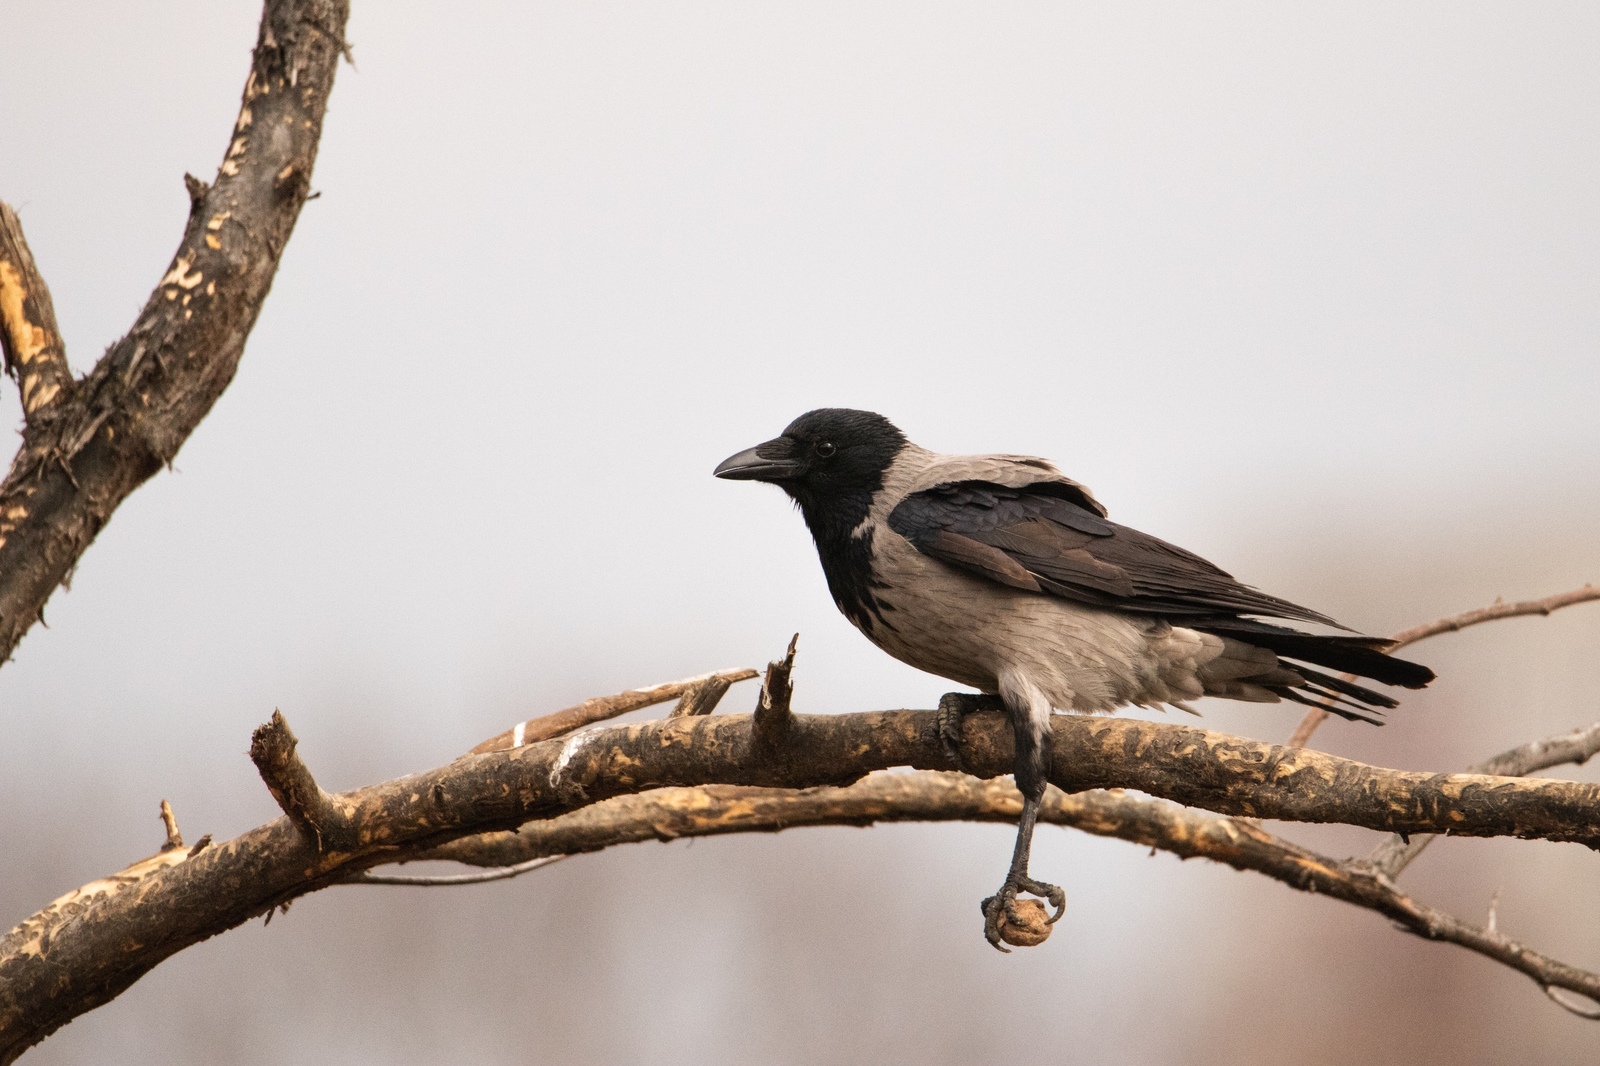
x=1311 y=289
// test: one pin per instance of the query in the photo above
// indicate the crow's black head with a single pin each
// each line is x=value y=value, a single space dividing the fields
x=831 y=461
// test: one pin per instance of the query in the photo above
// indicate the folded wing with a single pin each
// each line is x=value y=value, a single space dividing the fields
x=1036 y=531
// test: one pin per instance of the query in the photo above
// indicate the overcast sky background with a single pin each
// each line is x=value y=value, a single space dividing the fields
x=1312 y=290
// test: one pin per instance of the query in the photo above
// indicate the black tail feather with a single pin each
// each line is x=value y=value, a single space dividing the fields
x=1331 y=708
x=1359 y=693
x=1362 y=656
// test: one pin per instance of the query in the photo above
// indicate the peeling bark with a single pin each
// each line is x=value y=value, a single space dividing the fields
x=29 y=337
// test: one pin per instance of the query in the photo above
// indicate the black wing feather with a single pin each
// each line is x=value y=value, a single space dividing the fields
x=1077 y=555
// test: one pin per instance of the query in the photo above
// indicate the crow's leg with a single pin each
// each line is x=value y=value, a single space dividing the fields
x=954 y=706
x=1030 y=721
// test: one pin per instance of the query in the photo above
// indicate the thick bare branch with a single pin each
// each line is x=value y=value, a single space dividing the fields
x=602 y=708
x=1492 y=613
x=83 y=950
x=1577 y=747
x=106 y=435
x=29 y=337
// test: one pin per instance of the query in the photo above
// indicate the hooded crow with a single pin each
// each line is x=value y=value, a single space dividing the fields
x=1001 y=573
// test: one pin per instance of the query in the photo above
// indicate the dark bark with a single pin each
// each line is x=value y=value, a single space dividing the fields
x=110 y=432
x=769 y=728
x=90 y=945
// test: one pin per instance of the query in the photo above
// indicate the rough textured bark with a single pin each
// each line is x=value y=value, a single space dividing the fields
x=108 y=433
x=87 y=947
x=1576 y=748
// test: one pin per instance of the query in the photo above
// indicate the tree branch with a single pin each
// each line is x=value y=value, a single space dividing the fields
x=88 y=946
x=925 y=796
x=106 y=435
x=704 y=691
x=29 y=337
x=1577 y=747
x=1492 y=613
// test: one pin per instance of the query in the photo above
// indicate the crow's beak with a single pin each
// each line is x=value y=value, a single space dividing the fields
x=772 y=461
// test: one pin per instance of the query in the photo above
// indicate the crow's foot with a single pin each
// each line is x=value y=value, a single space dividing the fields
x=954 y=706
x=1001 y=914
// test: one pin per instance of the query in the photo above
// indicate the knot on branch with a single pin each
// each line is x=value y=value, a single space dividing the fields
x=769 y=727
x=313 y=811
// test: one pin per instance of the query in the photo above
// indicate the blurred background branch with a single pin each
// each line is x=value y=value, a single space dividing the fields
x=1453 y=624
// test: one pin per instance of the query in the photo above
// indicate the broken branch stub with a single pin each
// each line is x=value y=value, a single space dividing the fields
x=769 y=727
x=273 y=748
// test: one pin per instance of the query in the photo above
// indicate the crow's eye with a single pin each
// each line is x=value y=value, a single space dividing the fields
x=825 y=448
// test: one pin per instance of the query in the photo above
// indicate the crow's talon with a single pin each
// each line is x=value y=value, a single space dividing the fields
x=1045 y=891
x=992 y=909
x=1000 y=910
x=953 y=706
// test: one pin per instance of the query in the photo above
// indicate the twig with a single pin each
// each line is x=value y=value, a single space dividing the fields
x=29 y=337
x=504 y=873
x=170 y=820
x=601 y=708
x=1492 y=613
x=703 y=697
x=1578 y=746
x=772 y=716
x=1591 y=1013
